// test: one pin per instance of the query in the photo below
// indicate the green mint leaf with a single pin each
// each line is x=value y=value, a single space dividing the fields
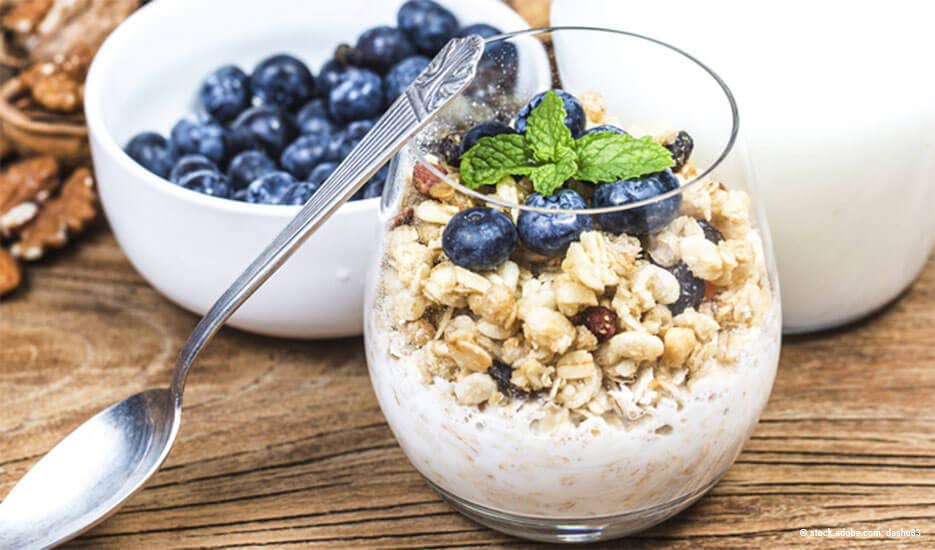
x=548 y=177
x=492 y=158
x=606 y=157
x=546 y=132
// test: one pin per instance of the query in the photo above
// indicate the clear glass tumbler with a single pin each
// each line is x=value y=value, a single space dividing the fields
x=581 y=375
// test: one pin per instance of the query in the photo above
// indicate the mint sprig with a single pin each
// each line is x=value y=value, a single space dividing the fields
x=550 y=156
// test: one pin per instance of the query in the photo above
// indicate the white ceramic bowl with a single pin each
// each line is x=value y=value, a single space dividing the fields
x=190 y=246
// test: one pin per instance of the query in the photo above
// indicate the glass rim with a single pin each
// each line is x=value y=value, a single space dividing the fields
x=702 y=174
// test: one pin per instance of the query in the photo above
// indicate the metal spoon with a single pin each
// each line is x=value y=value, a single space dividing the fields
x=107 y=459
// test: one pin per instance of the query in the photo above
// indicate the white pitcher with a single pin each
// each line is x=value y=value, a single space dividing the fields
x=837 y=101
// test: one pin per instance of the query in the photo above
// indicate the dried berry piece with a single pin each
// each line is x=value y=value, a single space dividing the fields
x=10 y=275
x=710 y=232
x=66 y=214
x=681 y=149
x=450 y=149
x=692 y=289
x=424 y=179
x=502 y=373
x=403 y=218
x=601 y=321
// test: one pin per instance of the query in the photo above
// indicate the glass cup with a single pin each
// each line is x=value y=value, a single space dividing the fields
x=607 y=374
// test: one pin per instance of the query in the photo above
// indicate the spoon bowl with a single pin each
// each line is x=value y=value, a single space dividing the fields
x=109 y=458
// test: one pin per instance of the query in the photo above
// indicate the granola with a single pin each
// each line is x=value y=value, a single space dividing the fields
x=598 y=331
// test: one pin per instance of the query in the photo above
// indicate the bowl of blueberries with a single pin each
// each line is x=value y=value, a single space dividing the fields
x=212 y=122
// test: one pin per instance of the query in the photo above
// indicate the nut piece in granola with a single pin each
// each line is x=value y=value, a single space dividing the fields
x=10 y=275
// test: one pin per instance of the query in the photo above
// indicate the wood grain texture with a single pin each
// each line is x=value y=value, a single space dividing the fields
x=283 y=444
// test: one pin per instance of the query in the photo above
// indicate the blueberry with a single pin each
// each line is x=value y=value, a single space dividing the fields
x=374 y=186
x=681 y=149
x=207 y=182
x=481 y=29
x=152 y=152
x=330 y=76
x=644 y=219
x=692 y=289
x=240 y=195
x=238 y=140
x=382 y=47
x=450 y=149
x=270 y=188
x=188 y=164
x=270 y=128
x=605 y=128
x=342 y=143
x=304 y=154
x=574 y=113
x=321 y=173
x=300 y=193
x=225 y=93
x=710 y=232
x=484 y=129
x=282 y=81
x=401 y=75
x=428 y=25
x=479 y=238
x=550 y=234
x=358 y=96
x=202 y=138
x=312 y=118
x=248 y=166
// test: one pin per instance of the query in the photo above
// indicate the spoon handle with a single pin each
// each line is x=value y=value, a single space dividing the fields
x=446 y=76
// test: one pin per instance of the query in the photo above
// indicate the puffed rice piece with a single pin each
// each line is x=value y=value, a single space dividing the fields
x=739 y=260
x=535 y=293
x=653 y=285
x=496 y=305
x=407 y=256
x=679 y=343
x=730 y=209
x=531 y=375
x=705 y=327
x=475 y=388
x=657 y=320
x=637 y=346
x=665 y=246
x=571 y=296
x=742 y=307
x=591 y=260
x=702 y=256
x=548 y=329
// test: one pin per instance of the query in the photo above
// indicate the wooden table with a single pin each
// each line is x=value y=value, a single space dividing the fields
x=283 y=443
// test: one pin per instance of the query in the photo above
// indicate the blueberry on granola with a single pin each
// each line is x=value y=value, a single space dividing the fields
x=247 y=167
x=427 y=24
x=484 y=129
x=152 y=152
x=550 y=234
x=270 y=188
x=605 y=128
x=304 y=154
x=692 y=289
x=382 y=47
x=201 y=138
x=479 y=238
x=282 y=81
x=358 y=96
x=681 y=148
x=270 y=128
x=574 y=112
x=225 y=93
x=188 y=164
x=645 y=219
